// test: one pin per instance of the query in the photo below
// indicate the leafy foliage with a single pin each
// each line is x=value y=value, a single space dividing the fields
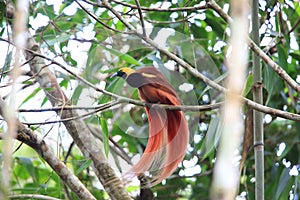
x=71 y=36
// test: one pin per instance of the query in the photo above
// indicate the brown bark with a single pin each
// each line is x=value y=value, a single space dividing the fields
x=76 y=128
x=28 y=137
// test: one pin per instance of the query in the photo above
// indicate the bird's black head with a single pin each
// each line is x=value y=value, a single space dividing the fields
x=123 y=72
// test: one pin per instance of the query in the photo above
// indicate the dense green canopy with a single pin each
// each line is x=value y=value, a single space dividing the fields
x=82 y=43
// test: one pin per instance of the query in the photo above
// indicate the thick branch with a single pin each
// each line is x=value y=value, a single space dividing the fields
x=76 y=128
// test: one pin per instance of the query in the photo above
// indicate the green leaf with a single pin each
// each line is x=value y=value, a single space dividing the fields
x=215 y=24
x=44 y=101
x=282 y=56
x=8 y=59
x=212 y=136
x=2 y=12
x=27 y=163
x=52 y=41
x=104 y=128
x=283 y=180
x=64 y=83
x=76 y=94
x=70 y=60
x=249 y=84
x=30 y=96
x=296 y=55
x=84 y=166
x=2 y=31
x=297 y=7
x=122 y=56
x=269 y=82
x=198 y=32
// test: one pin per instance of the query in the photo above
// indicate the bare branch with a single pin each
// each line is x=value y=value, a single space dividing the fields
x=103 y=107
x=31 y=196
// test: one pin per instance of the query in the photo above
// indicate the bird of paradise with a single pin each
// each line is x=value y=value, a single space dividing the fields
x=168 y=129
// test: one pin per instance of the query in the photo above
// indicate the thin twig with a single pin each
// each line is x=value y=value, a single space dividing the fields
x=62 y=108
x=9 y=71
x=193 y=71
x=294 y=26
x=103 y=107
x=32 y=196
x=199 y=75
x=99 y=21
x=195 y=108
x=132 y=6
x=118 y=149
x=279 y=70
x=141 y=16
x=184 y=19
x=27 y=136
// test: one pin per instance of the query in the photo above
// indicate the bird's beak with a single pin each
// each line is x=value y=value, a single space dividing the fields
x=114 y=75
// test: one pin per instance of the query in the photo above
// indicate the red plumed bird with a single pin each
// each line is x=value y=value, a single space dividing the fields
x=168 y=129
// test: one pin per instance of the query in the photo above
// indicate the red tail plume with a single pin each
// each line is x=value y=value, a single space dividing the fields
x=168 y=131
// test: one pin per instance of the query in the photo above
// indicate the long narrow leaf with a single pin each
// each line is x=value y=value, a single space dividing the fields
x=104 y=128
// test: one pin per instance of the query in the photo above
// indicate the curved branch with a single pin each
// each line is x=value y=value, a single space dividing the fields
x=193 y=71
x=279 y=70
x=199 y=75
x=76 y=128
x=99 y=21
x=139 y=103
x=141 y=16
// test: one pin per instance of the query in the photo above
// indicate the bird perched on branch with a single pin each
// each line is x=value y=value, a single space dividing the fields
x=168 y=129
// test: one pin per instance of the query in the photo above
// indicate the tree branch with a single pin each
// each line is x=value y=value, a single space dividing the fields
x=199 y=75
x=279 y=70
x=32 y=196
x=193 y=71
x=103 y=107
x=26 y=136
x=194 y=8
x=141 y=16
x=76 y=128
